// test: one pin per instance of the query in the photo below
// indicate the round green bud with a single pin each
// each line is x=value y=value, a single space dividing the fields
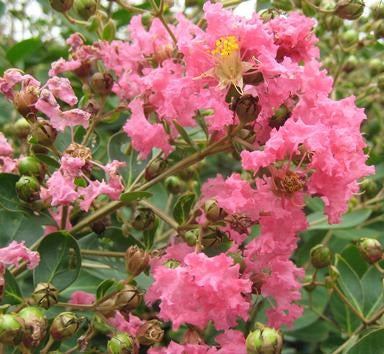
x=320 y=256
x=31 y=166
x=350 y=64
x=212 y=210
x=175 y=185
x=144 y=219
x=375 y=66
x=332 y=23
x=61 y=5
x=264 y=340
x=28 y=188
x=349 y=9
x=22 y=128
x=85 y=8
x=45 y=295
x=64 y=326
x=349 y=38
x=155 y=168
x=35 y=325
x=370 y=249
x=11 y=329
x=101 y=83
x=120 y=343
x=43 y=133
x=191 y=236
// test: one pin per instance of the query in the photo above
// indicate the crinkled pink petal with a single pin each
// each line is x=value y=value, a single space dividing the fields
x=5 y=147
x=62 y=89
x=71 y=118
x=62 y=65
x=71 y=166
x=61 y=189
x=80 y=297
x=16 y=252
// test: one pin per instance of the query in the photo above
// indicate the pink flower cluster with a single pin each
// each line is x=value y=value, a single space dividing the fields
x=7 y=163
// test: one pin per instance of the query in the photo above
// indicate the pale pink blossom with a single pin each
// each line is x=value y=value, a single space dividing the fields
x=5 y=147
x=80 y=297
x=61 y=189
x=62 y=89
x=62 y=65
x=130 y=325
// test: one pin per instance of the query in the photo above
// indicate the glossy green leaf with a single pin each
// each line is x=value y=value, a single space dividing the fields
x=60 y=260
x=349 y=283
x=373 y=291
x=11 y=294
x=129 y=197
x=318 y=221
x=184 y=135
x=183 y=207
x=371 y=343
x=8 y=197
x=107 y=287
x=24 y=49
x=50 y=161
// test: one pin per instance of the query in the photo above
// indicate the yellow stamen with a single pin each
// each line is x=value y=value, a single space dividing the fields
x=225 y=46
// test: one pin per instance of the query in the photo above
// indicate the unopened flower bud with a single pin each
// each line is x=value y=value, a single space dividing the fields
x=61 y=5
x=22 y=128
x=172 y=263
x=191 y=236
x=370 y=249
x=25 y=100
x=175 y=185
x=212 y=210
x=99 y=226
x=64 y=326
x=309 y=284
x=43 y=133
x=28 y=188
x=155 y=168
x=121 y=343
x=264 y=340
x=128 y=299
x=150 y=332
x=45 y=295
x=247 y=108
x=349 y=9
x=378 y=29
x=85 y=8
x=35 y=326
x=349 y=38
x=11 y=329
x=280 y=117
x=332 y=23
x=136 y=260
x=192 y=336
x=350 y=64
x=320 y=256
x=144 y=219
x=102 y=83
x=31 y=166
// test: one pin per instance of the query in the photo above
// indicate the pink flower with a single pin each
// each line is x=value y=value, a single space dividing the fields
x=62 y=89
x=48 y=105
x=5 y=147
x=145 y=136
x=82 y=298
x=71 y=118
x=176 y=348
x=231 y=341
x=61 y=189
x=130 y=326
x=200 y=290
x=71 y=166
x=7 y=164
x=62 y=65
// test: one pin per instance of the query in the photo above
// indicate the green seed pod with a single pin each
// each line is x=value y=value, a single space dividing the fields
x=61 y=5
x=128 y=299
x=191 y=236
x=155 y=168
x=85 y=8
x=31 y=166
x=370 y=249
x=349 y=38
x=43 y=133
x=264 y=340
x=35 y=325
x=45 y=295
x=11 y=329
x=101 y=83
x=121 y=343
x=150 y=333
x=320 y=256
x=144 y=219
x=375 y=66
x=64 y=326
x=212 y=211
x=28 y=188
x=22 y=128
x=349 y=9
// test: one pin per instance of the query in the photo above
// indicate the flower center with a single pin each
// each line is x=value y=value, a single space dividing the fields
x=225 y=46
x=288 y=184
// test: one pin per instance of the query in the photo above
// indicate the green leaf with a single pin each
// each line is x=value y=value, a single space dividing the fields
x=134 y=196
x=372 y=285
x=349 y=283
x=12 y=293
x=355 y=234
x=50 y=161
x=318 y=221
x=149 y=236
x=8 y=196
x=371 y=343
x=23 y=50
x=60 y=260
x=107 y=287
x=183 y=207
x=184 y=135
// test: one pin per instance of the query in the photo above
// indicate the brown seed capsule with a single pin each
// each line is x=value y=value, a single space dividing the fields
x=102 y=83
x=128 y=299
x=25 y=100
x=107 y=307
x=349 y=9
x=150 y=333
x=370 y=249
x=136 y=260
x=45 y=295
x=61 y=5
x=212 y=211
x=247 y=108
x=64 y=326
x=78 y=150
